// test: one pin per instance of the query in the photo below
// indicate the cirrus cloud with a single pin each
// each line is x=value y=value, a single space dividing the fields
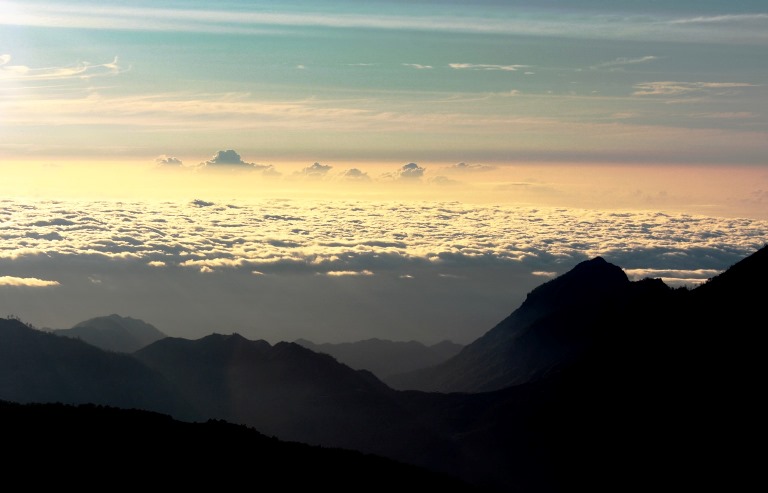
x=486 y=66
x=674 y=88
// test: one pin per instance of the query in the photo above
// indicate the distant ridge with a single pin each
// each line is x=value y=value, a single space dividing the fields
x=114 y=333
x=384 y=357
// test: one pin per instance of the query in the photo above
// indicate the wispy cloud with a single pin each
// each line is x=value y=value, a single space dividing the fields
x=673 y=88
x=468 y=168
x=500 y=20
x=717 y=19
x=622 y=61
x=540 y=273
x=347 y=273
x=30 y=282
x=728 y=115
x=485 y=66
x=81 y=70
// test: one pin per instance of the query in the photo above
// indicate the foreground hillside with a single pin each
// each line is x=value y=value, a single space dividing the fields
x=97 y=446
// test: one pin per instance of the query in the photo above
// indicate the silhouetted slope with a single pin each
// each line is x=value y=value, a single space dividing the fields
x=584 y=425
x=665 y=394
x=114 y=333
x=295 y=394
x=37 y=366
x=739 y=286
x=552 y=327
x=98 y=446
x=383 y=357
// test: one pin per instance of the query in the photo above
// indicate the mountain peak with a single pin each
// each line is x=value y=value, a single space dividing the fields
x=587 y=281
x=540 y=335
x=114 y=333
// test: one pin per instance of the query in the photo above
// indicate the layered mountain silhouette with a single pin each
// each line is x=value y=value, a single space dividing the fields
x=138 y=448
x=37 y=366
x=594 y=382
x=296 y=394
x=114 y=333
x=383 y=357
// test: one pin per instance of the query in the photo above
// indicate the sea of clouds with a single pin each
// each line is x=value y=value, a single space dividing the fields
x=330 y=270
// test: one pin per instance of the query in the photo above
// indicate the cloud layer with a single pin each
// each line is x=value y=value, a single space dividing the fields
x=277 y=235
x=330 y=270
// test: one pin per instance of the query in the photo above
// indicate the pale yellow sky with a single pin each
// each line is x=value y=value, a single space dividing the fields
x=731 y=191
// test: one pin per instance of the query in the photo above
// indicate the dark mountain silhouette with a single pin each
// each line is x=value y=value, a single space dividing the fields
x=138 y=448
x=662 y=389
x=552 y=327
x=114 y=333
x=617 y=386
x=296 y=394
x=37 y=366
x=383 y=357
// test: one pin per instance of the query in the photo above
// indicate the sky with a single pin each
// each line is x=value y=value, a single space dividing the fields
x=339 y=170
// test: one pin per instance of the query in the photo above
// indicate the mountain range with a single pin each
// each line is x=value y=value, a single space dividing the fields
x=594 y=382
